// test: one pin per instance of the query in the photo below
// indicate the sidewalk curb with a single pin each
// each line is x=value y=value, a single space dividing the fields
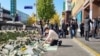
x=86 y=47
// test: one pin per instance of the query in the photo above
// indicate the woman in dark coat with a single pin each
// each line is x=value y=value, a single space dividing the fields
x=87 y=22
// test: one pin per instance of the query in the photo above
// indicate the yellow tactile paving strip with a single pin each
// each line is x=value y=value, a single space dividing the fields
x=90 y=50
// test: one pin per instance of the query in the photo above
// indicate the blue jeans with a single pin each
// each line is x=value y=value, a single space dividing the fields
x=64 y=34
x=60 y=34
x=72 y=33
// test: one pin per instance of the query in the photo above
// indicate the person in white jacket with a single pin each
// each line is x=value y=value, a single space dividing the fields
x=52 y=37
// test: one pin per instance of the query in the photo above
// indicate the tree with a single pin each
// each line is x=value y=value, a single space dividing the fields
x=55 y=19
x=45 y=9
x=31 y=20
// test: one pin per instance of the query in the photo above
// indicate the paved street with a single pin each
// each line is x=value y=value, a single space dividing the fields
x=69 y=48
x=93 y=43
x=28 y=28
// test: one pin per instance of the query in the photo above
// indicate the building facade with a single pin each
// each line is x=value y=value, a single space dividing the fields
x=83 y=8
x=77 y=6
x=13 y=8
x=5 y=15
x=67 y=5
x=67 y=10
x=23 y=17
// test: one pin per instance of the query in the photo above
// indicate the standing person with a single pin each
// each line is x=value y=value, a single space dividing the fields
x=95 y=24
x=41 y=26
x=76 y=27
x=98 y=23
x=98 y=28
x=72 y=28
x=60 y=32
x=51 y=26
x=87 y=22
x=82 y=29
x=64 y=29
x=56 y=28
x=52 y=37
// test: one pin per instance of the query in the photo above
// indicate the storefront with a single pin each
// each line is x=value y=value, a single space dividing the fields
x=91 y=8
x=96 y=8
x=79 y=17
x=76 y=6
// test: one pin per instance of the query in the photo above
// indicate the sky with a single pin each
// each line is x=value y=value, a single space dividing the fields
x=21 y=3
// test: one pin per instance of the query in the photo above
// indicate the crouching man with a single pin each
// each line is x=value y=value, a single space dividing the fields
x=52 y=37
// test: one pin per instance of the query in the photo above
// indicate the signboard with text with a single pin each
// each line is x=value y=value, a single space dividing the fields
x=28 y=7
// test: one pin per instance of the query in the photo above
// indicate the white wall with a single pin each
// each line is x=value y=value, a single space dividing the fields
x=67 y=5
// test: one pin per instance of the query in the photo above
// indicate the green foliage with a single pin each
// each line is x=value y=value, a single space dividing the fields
x=4 y=37
x=11 y=35
x=31 y=20
x=55 y=19
x=45 y=9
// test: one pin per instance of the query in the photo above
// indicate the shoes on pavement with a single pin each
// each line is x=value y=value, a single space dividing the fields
x=59 y=43
x=87 y=39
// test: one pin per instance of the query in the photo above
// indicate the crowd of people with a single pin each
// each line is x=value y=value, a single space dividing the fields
x=88 y=28
x=65 y=29
x=53 y=33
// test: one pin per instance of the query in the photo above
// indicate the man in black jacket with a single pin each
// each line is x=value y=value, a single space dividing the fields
x=64 y=28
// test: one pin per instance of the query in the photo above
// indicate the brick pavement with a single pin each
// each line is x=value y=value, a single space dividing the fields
x=68 y=48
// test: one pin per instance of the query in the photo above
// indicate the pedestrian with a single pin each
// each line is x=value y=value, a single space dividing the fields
x=64 y=29
x=51 y=26
x=56 y=28
x=41 y=26
x=76 y=27
x=52 y=37
x=82 y=29
x=95 y=24
x=60 y=32
x=98 y=29
x=72 y=28
x=98 y=23
x=87 y=22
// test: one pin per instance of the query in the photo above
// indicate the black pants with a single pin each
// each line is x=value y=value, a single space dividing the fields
x=82 y=33
x=56 y=42
x=94 y=34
